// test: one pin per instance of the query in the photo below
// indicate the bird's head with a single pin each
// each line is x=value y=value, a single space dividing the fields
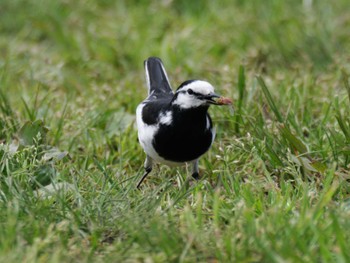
x=197 y=93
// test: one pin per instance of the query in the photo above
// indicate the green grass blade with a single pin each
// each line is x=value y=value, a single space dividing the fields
x=345 y=79
x=30 y=113
x=241 y=89
x=295 y=142
x=269 y=99
x=60 y=124
x=342 y=121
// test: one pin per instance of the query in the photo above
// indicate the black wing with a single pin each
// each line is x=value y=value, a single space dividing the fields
x=153 y=108
x=156 y=77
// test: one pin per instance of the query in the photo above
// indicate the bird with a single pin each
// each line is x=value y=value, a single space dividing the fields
x=175 y=128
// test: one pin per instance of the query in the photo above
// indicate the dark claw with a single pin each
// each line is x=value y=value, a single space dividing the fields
x=195 y=175
x=147 y=171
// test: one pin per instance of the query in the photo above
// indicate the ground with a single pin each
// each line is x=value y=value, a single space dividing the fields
x=273 y=188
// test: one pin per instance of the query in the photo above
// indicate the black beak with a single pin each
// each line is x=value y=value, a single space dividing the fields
x=216 y=99
x=211 y=98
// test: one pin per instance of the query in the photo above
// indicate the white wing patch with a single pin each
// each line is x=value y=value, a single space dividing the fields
x=208 y=123
x=166 y=118
x=213 y=131
x=211 y=128
x=146 y=134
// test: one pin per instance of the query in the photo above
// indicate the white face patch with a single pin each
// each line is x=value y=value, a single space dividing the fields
x=166 y=118
x=186 y=100
x=199 y=86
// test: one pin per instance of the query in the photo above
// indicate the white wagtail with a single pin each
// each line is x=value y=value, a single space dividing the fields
x=175 y=128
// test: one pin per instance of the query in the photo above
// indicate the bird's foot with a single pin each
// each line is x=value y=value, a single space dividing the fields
x=147 y=171
x=195 y=175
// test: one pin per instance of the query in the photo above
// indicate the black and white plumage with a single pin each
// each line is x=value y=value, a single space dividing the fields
x=175 y=128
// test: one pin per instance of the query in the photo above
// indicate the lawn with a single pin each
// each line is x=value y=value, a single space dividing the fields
x=274 y=187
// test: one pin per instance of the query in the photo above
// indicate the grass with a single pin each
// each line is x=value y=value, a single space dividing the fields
x=275 y=185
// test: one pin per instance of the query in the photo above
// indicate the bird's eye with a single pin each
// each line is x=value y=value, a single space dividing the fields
x=189 y=91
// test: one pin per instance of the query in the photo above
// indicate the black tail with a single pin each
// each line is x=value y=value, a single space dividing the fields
x=156 y=77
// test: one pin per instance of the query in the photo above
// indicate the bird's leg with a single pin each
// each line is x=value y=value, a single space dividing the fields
x=195 y=170
x=148 y=169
